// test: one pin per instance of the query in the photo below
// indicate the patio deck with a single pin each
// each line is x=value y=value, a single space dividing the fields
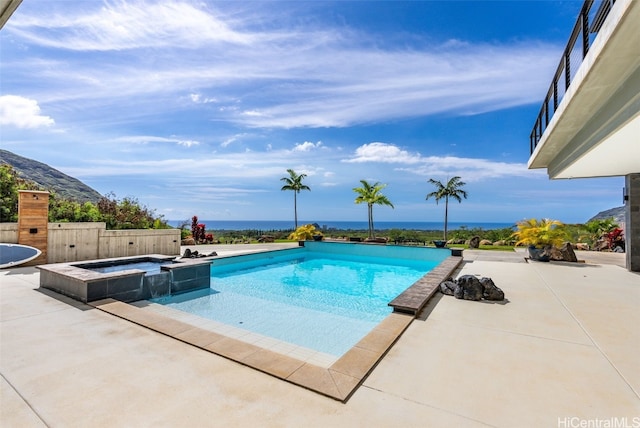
x=562 y=349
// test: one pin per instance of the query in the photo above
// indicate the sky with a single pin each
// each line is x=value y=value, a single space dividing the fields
x=200 y=107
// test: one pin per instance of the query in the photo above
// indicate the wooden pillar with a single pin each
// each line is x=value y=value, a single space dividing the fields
x=33 y=222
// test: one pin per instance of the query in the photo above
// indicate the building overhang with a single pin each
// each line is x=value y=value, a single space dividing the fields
x=7 y=7
x=595 y=132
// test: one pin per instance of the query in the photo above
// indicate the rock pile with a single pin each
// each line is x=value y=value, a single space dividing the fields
x=468 y=287
x=562 y=254
x=188 y=254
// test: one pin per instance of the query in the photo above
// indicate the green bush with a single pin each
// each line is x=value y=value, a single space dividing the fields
x=540 y=233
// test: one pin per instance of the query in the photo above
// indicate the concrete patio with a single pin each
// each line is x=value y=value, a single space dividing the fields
x=561 y=350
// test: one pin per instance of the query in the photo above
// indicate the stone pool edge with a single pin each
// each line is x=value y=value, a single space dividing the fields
x=339 y=381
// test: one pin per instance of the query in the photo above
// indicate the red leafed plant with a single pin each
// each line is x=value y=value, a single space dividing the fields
x=614 y=237
x=197 y=230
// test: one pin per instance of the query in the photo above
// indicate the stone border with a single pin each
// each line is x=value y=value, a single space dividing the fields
x=341 y=379
x=338 y=381
x=413 y=299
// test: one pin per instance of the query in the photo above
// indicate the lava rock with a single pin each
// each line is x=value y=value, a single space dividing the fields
x=468 y=287
x=448 y=286
x=490 y=291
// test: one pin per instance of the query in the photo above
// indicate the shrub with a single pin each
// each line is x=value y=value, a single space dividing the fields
x=304 y=233
x=541 y=233
x=615 y=238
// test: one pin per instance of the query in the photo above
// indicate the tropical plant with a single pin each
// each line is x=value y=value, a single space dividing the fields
x=452 y=189
x=540 y=234
x=615 y=238
x=370 y=193
x=597 y=228
x=294 y=182
x=304 y=233
x=198 y=230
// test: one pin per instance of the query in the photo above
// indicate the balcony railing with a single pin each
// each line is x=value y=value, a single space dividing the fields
x=584 y=31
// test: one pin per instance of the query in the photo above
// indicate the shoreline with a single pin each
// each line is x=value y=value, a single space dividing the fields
x=278 y=225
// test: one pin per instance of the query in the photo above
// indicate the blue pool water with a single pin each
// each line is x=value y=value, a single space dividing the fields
x=150 y=267
x=324 y=298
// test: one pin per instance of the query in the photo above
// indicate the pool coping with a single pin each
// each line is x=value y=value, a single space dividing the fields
x=339 y=381
x=413 y=299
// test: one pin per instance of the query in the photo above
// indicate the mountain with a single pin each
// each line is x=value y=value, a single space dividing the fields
x=616 y=213
x=50 y=178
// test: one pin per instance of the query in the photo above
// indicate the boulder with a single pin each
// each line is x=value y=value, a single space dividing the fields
x=500 y=243
x=490 y=290
x=447 y=287
x=468 y=287
x=539 y=254
x=568 y=254
x=188 y=254
x=564 y=253
x=188 y=241
x=601 y=245
x=474 y=242
x=582 y=246
x=486 y=242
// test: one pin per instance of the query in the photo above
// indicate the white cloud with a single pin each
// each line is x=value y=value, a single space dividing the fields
x=147 y=139
x=121 y=25
x=253 y=113
x=472 y=169
x=229 y=141
x=320 y=77
x=198 y=99
x=22 y=112
x=382 y=152
x=307 y=146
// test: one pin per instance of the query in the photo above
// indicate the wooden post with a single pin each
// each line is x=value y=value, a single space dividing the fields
x=33 y=222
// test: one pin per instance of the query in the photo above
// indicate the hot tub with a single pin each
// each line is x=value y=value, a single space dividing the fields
x=126 y=278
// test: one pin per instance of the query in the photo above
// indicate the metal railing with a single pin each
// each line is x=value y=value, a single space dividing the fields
x=585 y=30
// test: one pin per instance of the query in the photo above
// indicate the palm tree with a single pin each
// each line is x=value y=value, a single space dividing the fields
x=453 y=189
x=294 y=182
x=370 y=193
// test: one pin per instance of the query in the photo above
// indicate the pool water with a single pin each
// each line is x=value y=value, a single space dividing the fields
x=150 y=267
x=322 y=301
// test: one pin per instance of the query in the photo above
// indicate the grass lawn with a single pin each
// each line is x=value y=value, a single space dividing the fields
x=482 y=247
x=486 y=247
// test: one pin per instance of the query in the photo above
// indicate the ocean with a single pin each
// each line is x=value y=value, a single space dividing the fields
x=267 y=225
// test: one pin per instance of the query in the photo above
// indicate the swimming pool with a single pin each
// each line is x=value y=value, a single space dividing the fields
x=324 y=296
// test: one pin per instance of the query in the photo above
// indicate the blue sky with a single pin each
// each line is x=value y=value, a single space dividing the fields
x=200 y=107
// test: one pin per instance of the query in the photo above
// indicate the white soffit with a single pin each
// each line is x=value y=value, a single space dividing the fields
x=617 y=155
